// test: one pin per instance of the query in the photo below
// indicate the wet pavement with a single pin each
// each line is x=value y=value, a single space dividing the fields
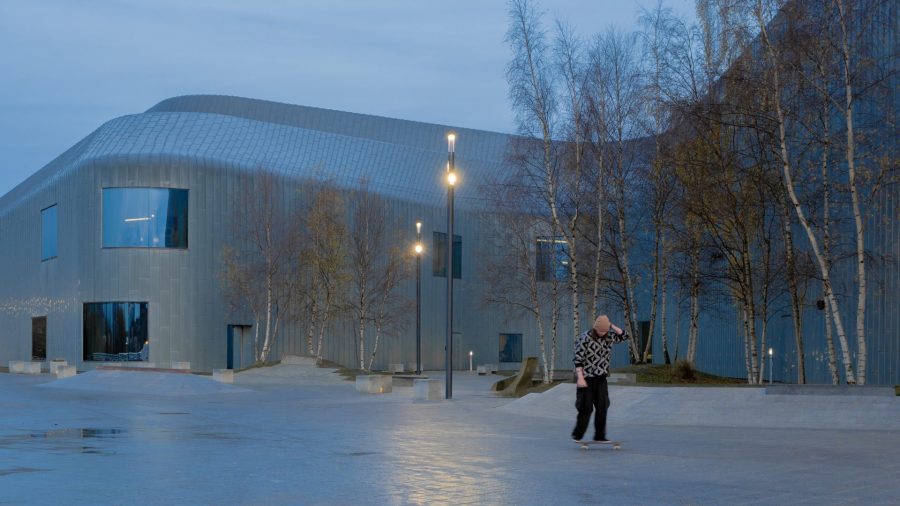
x=285 y=438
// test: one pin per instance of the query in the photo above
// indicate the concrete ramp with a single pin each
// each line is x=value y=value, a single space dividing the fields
x=140 y=382
x=520 y=383
x=722 y=407
x=302 y=373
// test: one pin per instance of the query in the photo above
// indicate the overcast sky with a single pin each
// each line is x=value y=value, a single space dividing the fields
x=66 y=66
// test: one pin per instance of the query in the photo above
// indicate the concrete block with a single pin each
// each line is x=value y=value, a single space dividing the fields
x=405 y=380
x=223 y=375
x=428 y=389
x=374 y=384
x=396 y=368
x=487 y=369
x=622 y=378
x=31 y=367
x=64 y=371
x=56 y=364
x=181 y=366
x=16 y=367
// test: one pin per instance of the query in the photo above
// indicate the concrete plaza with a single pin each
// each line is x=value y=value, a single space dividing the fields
x=302 y=435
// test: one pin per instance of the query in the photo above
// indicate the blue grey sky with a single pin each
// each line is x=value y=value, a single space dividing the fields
x=67 y=66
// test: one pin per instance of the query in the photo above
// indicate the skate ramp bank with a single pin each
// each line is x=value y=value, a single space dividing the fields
x=722 y=407
x=293 y=372
x=140 y=382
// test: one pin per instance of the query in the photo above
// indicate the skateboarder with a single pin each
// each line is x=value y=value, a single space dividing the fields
x=592 y=357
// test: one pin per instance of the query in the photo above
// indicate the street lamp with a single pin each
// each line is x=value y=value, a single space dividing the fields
x=770 y=366
x=419 y=250
x=451 y=184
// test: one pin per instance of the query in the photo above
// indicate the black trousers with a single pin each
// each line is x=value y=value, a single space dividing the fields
x=592 y=398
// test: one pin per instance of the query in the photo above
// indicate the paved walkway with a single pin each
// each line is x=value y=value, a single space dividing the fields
x=321 y=442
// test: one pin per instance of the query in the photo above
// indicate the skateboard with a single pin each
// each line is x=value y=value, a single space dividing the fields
x=616 y=445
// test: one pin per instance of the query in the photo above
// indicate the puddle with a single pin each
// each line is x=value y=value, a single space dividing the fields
x=361 y=454
x=77 y=433
x=17 y=470
x=61 y=440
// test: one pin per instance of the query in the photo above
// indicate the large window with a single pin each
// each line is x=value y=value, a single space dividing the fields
x=39 y=338
x=48 y=233
x=145 y=218
x=510 y=347
x=551 y=259
x=116 y=331
x=439 y=259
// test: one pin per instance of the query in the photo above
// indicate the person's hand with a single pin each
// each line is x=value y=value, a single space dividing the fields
x=581 y=383
x=615 y=329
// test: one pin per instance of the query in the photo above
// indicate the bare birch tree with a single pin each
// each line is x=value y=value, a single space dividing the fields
x=263 y=269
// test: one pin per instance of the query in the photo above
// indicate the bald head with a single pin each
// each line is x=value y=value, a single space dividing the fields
x=601 y=325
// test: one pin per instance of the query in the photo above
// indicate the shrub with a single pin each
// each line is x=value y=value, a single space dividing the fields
x=683 y=370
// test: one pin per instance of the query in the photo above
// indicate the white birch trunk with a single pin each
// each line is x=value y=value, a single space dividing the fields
x=857 y=213
x=788 y=181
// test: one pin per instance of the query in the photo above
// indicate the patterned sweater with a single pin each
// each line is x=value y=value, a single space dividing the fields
x=594 y=355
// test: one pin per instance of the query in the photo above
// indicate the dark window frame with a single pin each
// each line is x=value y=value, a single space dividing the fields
x=186 y=219
x=44 y=255
x=510 y=347
x=551 y=257
x=439 y=258
x=35 y=353
x=97 y=343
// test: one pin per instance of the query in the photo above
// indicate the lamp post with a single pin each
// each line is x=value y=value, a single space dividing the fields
x=770 y=366
x=419 y=250
x=451 y=183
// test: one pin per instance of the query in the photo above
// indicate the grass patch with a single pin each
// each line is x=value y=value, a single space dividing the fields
x=679 y=373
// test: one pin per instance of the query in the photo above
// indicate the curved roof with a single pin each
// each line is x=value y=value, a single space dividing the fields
x=399 y=158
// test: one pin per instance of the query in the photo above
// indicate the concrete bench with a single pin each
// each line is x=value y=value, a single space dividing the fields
x=623 y=378
x=428 y=389
x=396 y=368
x=66 y=371
x=223 y=375
x=487 y=369
x=181 y=366
x=24 y=367
x=374 y=384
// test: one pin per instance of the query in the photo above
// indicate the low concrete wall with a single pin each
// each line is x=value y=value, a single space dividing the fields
x=624 y=378
x=181 y=366
x=223 y=375
x=374 y=384
x=298 y=360
x=866 y=390
x=396 y=368
x=428 y=389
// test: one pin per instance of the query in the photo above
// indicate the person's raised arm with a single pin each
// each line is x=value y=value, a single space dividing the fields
x=617 y=335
